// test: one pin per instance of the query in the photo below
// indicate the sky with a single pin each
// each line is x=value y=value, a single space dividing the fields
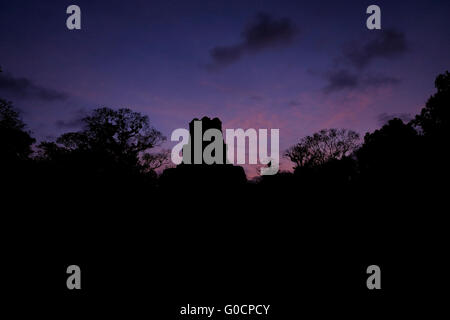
x=297 y=66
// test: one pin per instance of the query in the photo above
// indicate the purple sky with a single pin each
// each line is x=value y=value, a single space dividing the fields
x=299 y=66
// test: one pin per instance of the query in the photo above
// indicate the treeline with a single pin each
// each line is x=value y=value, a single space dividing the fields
x=398 y=158
x=114 y=148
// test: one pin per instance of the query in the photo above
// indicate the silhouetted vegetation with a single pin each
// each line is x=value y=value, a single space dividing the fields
x=15 y=147
x=113 y=148
x=15 y=141
x=112 y=152
x=322 y=147
x=93 y=195
x=433 y=120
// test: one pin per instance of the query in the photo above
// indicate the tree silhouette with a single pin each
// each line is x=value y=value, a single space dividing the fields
x=15 y=142
x=153 y=161
x=433 y=124
x=112 y=142
x=434 y=119
x=322 y=147
x=392 y=152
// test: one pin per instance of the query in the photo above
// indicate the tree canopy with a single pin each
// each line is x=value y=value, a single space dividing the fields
x=15 y=141
x=434 y=118
x=119 y=138
x=322 y=147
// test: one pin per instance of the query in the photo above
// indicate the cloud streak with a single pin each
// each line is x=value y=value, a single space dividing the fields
x=25 y=88
x=342 y=79
x=75 y=122
x=385 y=44
x=263 y=33
x=350 y=71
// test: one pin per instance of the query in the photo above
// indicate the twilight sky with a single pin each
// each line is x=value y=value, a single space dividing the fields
x=299 y=66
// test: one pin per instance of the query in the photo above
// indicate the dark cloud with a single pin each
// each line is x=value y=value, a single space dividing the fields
x=223 y=56
x=349 y=70
x=75 y=122
x=384 y=117
x=385 y=44
x=25 y=88
x=257 y=98
x=294 y=103
x=343 y=79
x=265 y=32
x=378 y=81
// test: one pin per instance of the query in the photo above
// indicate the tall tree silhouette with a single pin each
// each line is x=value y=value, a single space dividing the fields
x=434 y=119
x=15 y=141
x=433 y=124
x=112 y=141
x=391 y=153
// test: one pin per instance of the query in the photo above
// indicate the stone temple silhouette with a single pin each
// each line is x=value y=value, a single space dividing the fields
x=201 y=175
x=206 y=123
